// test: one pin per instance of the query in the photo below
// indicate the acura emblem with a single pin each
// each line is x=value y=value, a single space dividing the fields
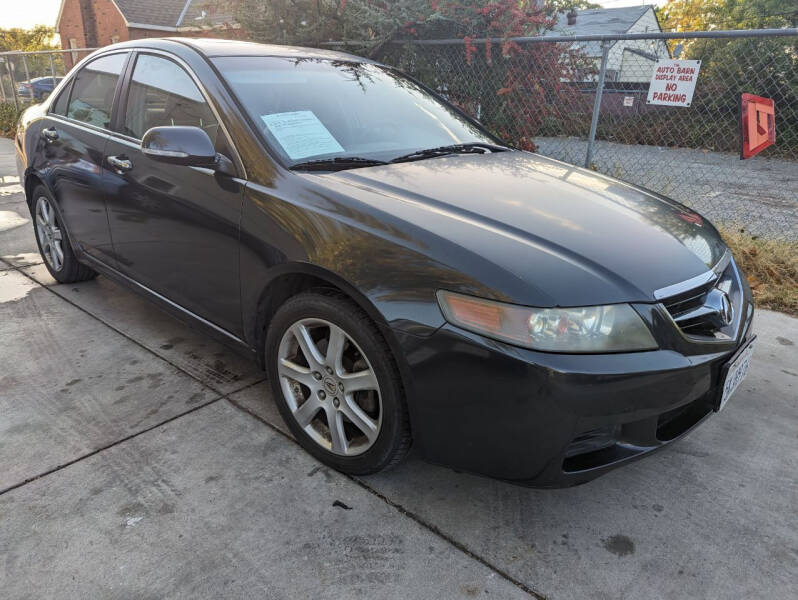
x=718 y=301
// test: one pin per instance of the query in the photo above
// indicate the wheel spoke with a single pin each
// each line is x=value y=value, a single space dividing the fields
x=337 y=433
x=57 y=235
x=56 y=255
x=307 y=345
x=305 y=413
x=362 y=380
x=359 y=418
x=40 y=220
x=296 y=372
x=335 y=348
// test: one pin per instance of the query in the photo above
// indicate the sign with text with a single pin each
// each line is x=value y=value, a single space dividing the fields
x=673 y=82
x=757 y=124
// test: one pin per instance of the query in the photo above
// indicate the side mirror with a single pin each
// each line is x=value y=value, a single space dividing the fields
x=188 y=146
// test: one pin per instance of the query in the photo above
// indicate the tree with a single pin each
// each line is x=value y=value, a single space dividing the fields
x=512 y=88
x=566 y=5
x=40 y=37
x=703 y=15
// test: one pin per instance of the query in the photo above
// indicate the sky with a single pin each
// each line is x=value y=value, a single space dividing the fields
x=27 y=13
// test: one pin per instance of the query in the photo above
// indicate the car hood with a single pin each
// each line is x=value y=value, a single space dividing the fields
x=575 y=236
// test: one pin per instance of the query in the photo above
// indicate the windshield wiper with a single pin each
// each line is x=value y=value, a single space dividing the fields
x=471 y=148
x=338 y=163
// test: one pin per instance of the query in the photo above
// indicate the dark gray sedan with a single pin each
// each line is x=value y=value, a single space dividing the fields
x=403 y=276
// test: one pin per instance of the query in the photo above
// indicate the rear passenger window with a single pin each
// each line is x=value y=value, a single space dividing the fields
x=162 y=93
x=93 y=90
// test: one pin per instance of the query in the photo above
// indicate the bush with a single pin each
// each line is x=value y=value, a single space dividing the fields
x=771 y=267
x=9 y=115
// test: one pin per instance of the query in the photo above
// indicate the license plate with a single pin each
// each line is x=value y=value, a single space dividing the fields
x=735 y=370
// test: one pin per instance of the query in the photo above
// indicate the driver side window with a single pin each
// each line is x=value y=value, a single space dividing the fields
x=161 y=93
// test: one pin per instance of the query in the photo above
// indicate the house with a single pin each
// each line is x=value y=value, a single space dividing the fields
x=95 y=23
x=628 y=61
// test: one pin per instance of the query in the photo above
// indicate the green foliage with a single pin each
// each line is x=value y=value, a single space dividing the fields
x=40 y=37
x=566 y=5
x=8 y=119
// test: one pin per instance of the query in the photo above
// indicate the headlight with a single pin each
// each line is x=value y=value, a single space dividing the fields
x=589 y=329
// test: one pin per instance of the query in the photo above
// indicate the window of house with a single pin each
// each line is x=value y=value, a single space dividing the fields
x=114 y=39
x=93 y=90
x=161 y=93
x=73 y=43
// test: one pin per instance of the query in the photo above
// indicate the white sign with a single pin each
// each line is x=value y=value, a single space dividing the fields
x=673 y=82
x=301 y=134
x=628 y=100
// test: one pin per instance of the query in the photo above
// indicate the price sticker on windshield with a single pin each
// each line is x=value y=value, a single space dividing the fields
x=301 y=134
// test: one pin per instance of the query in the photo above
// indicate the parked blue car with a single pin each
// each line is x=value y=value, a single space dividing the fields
x=37 y=88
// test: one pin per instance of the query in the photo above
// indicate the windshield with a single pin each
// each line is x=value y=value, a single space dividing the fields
x=314 y=109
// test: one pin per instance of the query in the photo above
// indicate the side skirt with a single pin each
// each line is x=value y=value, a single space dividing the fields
x=188 y=317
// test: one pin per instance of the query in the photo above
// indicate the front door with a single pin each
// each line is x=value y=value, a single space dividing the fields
x=175 y=229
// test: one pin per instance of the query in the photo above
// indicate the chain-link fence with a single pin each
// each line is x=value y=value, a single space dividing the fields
x=29 y=77
x=583 y=100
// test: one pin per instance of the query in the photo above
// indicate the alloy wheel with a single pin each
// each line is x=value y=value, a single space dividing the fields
x=330 y=387
x=49 y=233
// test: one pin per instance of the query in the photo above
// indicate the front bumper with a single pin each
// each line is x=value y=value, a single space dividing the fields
x=556 y=420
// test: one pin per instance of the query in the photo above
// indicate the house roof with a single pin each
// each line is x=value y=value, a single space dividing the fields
x=597 y=21
x=166 y=15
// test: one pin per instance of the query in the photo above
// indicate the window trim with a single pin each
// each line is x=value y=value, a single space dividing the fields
x=121 y=103
x=64 y=92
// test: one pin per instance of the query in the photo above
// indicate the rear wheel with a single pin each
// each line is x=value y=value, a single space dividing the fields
x=336 y=384
x=53 y=242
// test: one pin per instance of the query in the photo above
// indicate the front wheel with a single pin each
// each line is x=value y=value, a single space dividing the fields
x=336 y=384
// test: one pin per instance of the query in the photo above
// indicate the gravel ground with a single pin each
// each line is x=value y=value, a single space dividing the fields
x=758 y=194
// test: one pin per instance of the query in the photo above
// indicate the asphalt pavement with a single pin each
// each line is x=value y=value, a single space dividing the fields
x=141 y=459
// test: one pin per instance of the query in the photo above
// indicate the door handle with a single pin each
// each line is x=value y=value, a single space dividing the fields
x=50 y=134
x=120 y=162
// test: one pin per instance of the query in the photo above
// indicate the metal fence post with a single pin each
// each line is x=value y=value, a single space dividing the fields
x=3 y=86
x=13 y=85
x=52 y=67
x=25 y=65
x=591 y=140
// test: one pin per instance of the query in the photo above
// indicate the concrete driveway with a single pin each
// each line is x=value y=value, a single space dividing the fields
x=139 y=459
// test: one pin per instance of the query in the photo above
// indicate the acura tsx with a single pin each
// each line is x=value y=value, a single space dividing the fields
x=402 y=275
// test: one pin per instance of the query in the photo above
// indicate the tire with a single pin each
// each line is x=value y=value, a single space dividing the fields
x=51 y=236
x=368 y=406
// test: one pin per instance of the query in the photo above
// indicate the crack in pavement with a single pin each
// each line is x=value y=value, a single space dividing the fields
x=436 y=531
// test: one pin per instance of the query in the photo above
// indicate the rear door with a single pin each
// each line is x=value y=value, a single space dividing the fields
x=175 y=229
x=73 y=139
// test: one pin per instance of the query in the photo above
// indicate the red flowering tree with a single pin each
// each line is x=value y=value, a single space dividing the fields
x=517 y=90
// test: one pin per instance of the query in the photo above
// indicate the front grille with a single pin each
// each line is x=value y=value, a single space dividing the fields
x=685 y=310
x=696 y=311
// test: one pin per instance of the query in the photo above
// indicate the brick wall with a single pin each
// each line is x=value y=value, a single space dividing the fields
x=90 y=23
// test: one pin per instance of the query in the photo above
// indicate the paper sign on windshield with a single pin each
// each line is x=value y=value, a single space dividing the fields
x=673 y=82
x=301 y=134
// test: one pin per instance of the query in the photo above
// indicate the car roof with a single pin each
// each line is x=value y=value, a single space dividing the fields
x=212 y=47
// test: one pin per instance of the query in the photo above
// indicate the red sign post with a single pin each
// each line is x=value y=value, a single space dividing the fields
x=757 y=125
